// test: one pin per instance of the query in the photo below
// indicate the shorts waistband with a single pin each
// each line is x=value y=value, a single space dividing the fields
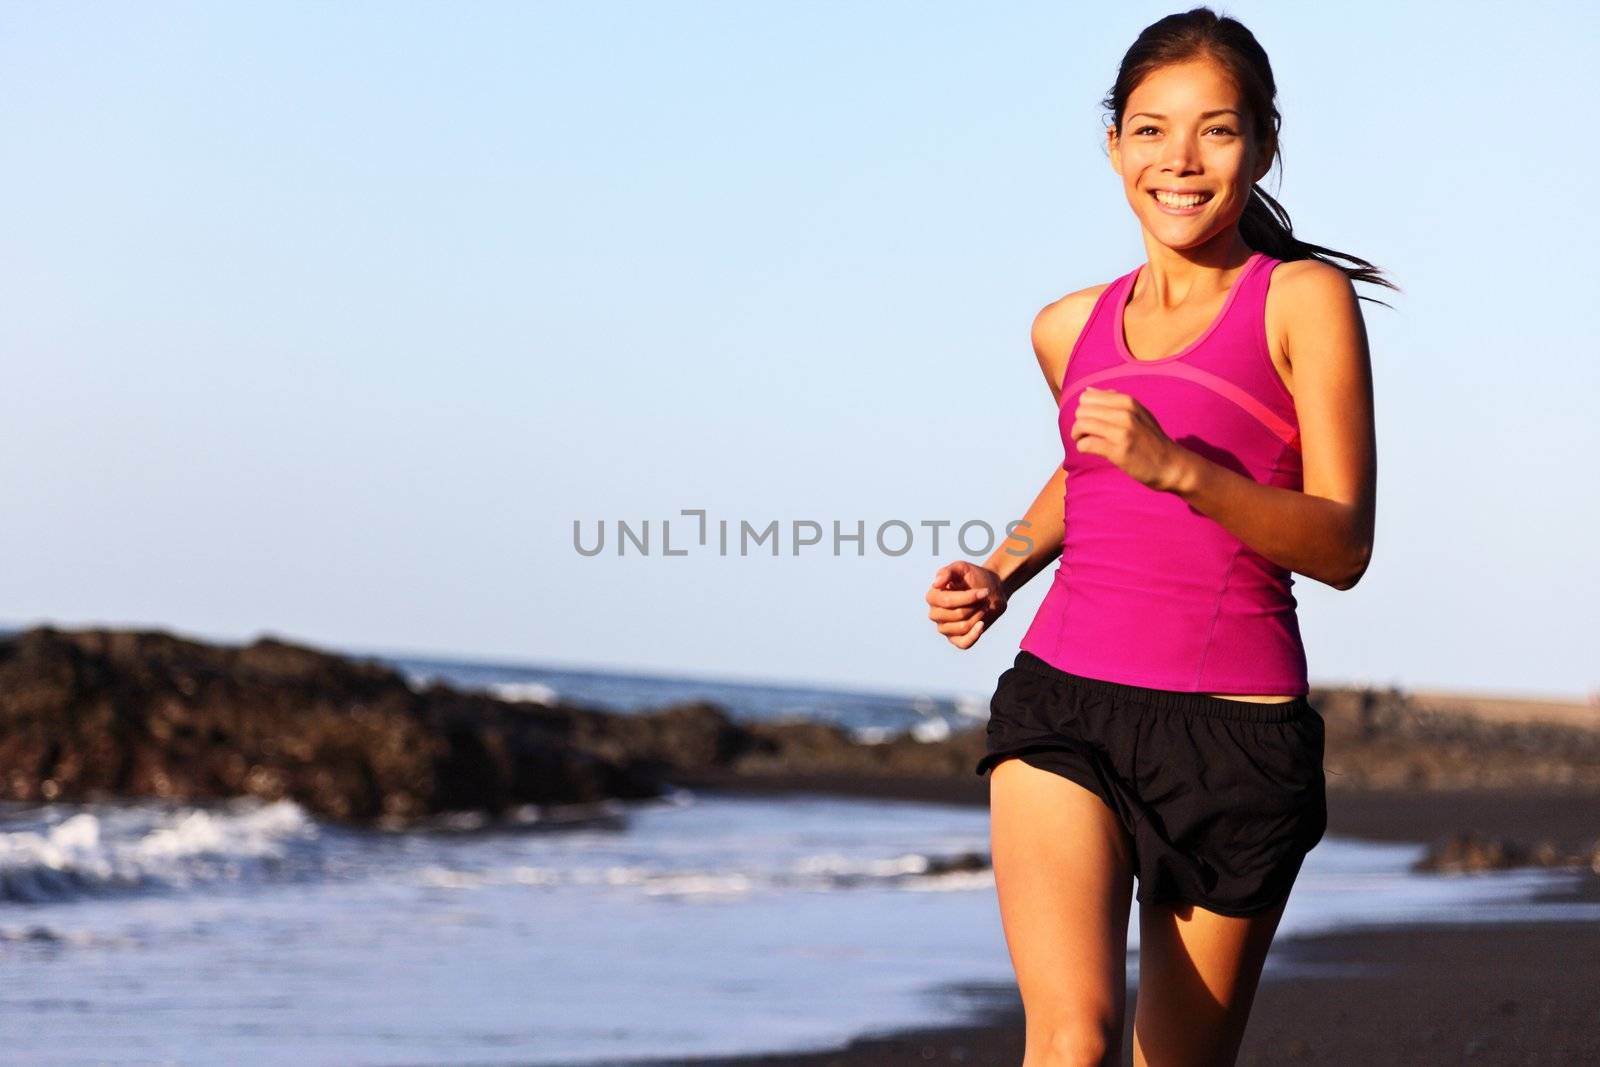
x=1172 y=699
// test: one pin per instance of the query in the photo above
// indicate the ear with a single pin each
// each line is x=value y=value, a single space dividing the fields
x=1264 y=162
x=1113 y=150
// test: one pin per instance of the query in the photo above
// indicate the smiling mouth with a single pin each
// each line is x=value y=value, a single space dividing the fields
x=1179 y=201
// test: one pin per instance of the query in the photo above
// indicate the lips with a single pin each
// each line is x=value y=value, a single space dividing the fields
x=1177 y=212
x=1204 y=194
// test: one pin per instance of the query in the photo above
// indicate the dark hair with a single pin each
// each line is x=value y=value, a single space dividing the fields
x=1200 y=33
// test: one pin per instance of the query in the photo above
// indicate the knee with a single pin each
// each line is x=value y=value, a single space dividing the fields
x=1085 y=1043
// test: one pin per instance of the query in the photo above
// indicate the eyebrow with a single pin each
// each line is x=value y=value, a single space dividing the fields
x=1204 y=114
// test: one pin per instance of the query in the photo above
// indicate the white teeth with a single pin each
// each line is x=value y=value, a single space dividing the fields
x=1173 y=200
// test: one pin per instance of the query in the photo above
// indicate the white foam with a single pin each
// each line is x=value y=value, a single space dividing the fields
x=525 y=692
x=109 y=849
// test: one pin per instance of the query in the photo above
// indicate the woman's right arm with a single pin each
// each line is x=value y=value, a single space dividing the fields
x=1038 y=543
x=966 y=598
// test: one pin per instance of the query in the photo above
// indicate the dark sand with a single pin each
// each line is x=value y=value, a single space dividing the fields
x=1489 y=995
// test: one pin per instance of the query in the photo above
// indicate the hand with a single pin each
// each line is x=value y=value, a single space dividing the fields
x=963 y=600
x=1115 y=425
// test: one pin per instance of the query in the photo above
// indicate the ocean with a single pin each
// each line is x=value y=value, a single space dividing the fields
x=696 y=924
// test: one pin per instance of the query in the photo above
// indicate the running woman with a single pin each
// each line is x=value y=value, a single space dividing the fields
x=1215 y=407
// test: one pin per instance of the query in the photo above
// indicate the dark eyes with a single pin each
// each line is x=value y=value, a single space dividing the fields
x=1224 y=129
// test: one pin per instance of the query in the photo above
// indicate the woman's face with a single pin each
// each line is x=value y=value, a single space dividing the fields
x=1183 y=131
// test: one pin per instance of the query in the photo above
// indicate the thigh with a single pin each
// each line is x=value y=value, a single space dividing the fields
x=1063 y=870
x=1198 y=973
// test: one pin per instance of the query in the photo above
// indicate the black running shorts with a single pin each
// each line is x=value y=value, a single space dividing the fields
x=1221 y=799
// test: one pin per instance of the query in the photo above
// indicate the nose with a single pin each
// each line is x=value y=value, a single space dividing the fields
x=1182 y=155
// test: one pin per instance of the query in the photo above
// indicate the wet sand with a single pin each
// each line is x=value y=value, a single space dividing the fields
x=1526 y=993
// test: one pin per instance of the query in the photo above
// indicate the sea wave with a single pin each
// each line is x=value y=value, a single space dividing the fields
x=819 y=872
x=57 y=852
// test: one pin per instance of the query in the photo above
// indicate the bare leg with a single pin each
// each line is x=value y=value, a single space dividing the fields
x=1063 y=873
x=1198 y=973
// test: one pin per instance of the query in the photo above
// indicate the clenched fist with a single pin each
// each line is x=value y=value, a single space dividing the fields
x=1115 y=425
x=963 y=600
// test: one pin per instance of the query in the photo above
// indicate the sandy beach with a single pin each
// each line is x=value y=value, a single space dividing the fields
x=1481 y=994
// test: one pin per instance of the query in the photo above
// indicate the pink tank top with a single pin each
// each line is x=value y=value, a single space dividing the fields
x=1148 y=591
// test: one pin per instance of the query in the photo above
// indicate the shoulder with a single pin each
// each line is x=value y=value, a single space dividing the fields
x=1308 y=298
x=1301 y=281
x=1057 y=326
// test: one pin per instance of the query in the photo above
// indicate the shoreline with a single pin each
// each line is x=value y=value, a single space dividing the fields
x=1492 y=994
x=1414 y=816
x=1500 y=995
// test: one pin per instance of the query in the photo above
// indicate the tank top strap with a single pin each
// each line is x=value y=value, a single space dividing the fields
x=1096 y=347
x=1238 y=350
x=1248 y=307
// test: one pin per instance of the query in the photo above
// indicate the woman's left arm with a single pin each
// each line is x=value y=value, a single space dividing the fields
x=1324 y=531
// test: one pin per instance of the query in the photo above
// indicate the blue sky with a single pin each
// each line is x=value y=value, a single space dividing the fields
x=329 y=320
